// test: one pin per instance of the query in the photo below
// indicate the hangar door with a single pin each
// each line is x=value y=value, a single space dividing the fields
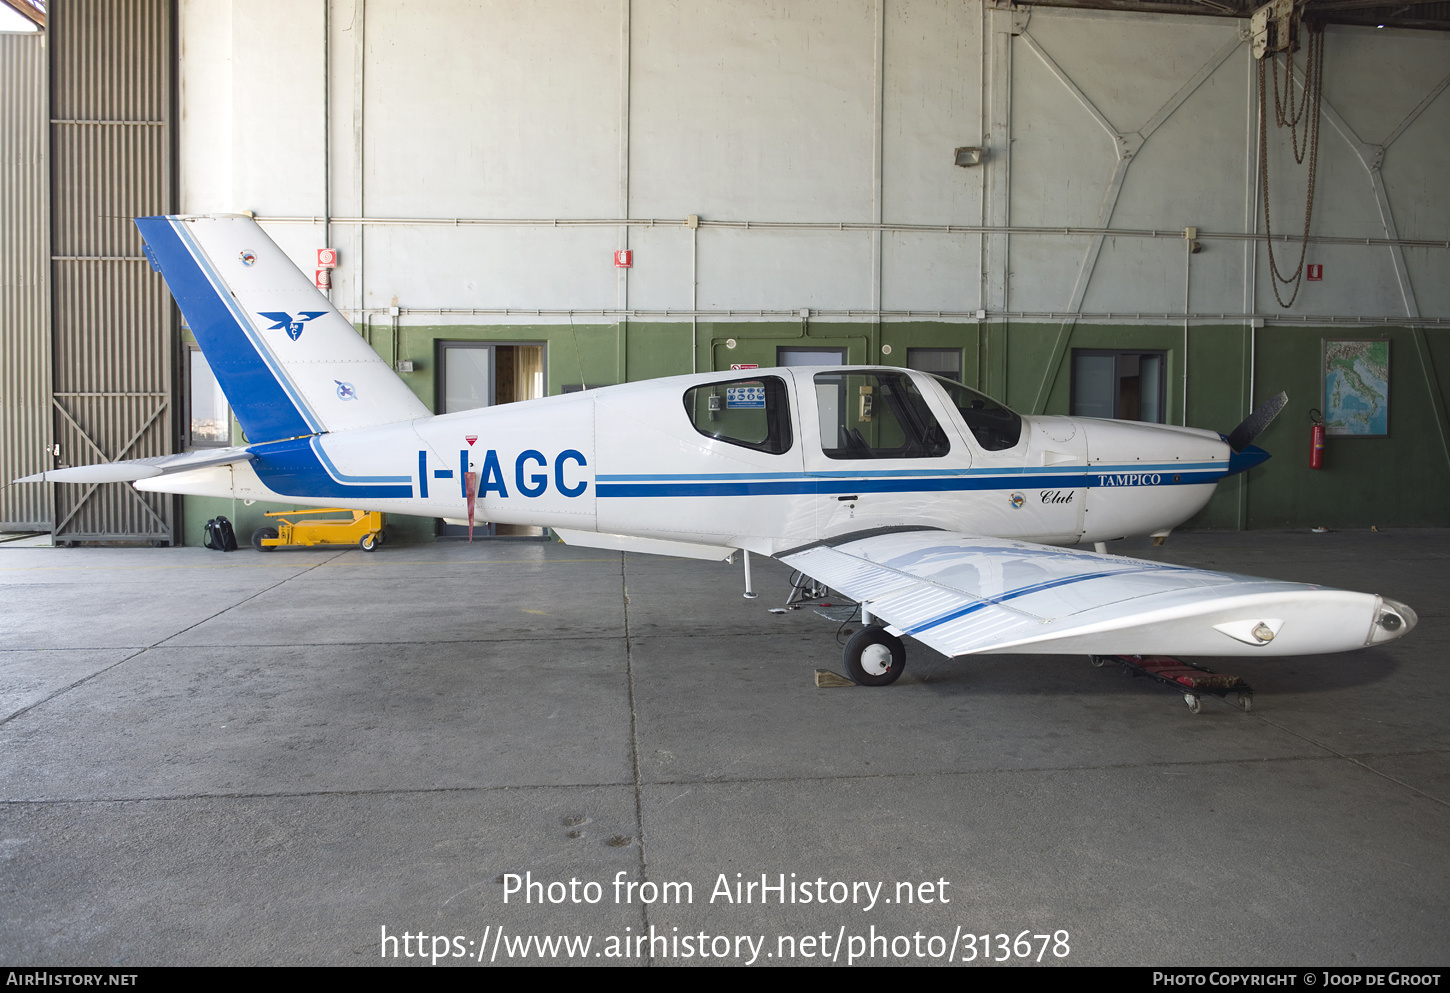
x=114 y=336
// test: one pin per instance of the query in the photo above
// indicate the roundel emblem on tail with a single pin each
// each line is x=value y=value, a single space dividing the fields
x=345 y=391
x=248 y=258
x=1018 y=500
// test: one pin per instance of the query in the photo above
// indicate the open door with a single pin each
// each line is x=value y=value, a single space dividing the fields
x=474 y=374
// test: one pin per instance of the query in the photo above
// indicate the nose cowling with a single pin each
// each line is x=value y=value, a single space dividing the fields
x=1144 y=478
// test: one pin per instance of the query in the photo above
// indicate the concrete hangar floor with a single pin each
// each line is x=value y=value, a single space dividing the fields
x=292 y=758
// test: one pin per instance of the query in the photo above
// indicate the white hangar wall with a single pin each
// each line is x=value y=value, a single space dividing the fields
x=802 y=121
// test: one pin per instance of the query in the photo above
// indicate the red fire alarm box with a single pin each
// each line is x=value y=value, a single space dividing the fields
x=327 y=258
x=623 y=259
x=1314 y=273
x=324 y=279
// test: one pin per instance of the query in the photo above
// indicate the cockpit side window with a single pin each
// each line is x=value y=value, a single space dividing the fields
x=876 y=415
x=995 y=427
x=751 y=413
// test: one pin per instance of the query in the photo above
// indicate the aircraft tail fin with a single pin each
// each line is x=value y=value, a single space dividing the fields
x=289 y=363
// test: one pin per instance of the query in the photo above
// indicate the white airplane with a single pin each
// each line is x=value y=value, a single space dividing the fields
x=946 y=515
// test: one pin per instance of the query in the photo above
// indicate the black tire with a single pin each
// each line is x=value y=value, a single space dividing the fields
x=867 y=664
x=369 y=542
x=261 y=533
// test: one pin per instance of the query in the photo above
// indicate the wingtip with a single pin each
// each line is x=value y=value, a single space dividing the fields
x=1392 y=619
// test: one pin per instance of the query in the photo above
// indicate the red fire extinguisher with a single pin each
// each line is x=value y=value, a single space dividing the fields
x=1316 y=441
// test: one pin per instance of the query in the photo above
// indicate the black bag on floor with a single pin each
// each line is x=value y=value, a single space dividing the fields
x=220 y=536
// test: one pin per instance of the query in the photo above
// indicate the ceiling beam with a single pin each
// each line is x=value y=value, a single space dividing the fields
x=1384 y=13
x=1394 y=5
x=29 y=10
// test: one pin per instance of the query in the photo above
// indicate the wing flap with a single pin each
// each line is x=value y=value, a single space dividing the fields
x=961 y=594
x=131 y=470
x=647 y=546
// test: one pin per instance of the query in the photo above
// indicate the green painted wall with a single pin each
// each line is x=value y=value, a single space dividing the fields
x=1396 y=481
x=1399 y=480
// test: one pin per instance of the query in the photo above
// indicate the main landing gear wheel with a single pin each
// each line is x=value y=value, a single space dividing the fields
x=875 y=658
x=261 y=533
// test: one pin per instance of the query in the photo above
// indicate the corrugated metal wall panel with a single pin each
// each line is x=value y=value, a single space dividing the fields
x=114 y=336
x=25 y=419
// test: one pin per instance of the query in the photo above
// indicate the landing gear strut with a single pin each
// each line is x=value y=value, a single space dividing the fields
x=873 y=657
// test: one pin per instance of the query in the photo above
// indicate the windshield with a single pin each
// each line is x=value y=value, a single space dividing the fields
x=995 y=427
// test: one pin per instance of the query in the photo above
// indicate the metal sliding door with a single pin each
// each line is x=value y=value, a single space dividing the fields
x=114 y=339
x=25 y=415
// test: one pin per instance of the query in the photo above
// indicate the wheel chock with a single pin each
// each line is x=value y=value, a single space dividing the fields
x=826 y=679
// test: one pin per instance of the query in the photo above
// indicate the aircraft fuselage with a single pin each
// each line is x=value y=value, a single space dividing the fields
x=635 y=460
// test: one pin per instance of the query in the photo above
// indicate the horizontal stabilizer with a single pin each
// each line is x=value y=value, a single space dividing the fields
x=130 y=471
x=961 y=594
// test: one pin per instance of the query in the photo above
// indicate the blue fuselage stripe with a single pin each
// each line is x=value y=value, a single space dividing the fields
x=899 y=484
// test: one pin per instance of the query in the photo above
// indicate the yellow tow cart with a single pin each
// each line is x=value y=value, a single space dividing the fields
x=363 y=528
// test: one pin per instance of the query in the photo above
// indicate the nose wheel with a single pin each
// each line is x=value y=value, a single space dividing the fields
x=874 y=658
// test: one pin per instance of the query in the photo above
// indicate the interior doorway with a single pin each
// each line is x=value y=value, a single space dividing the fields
x=474 y=374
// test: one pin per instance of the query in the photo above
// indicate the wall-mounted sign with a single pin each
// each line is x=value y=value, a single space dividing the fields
x=327 y=258
x=624 y=259
x=1314 y=273
x=736 y=366
x=324 y=279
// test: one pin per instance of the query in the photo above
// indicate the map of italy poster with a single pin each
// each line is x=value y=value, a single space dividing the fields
x=1357 y=387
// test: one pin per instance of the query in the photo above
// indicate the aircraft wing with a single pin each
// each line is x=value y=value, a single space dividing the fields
x=961 y=595
x=134 y=469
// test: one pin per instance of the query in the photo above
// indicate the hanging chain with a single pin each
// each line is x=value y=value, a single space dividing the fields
x=1313 y=94
x=1295 y=115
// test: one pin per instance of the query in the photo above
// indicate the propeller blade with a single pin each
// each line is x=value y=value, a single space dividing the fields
x=1253 y=426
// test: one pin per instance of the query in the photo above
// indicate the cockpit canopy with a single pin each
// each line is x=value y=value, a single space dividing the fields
x=864 y=414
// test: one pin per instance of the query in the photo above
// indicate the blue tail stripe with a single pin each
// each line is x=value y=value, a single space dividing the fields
x=342 y=477
x=294 y=468
x=253 y=388
x=219 y=284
